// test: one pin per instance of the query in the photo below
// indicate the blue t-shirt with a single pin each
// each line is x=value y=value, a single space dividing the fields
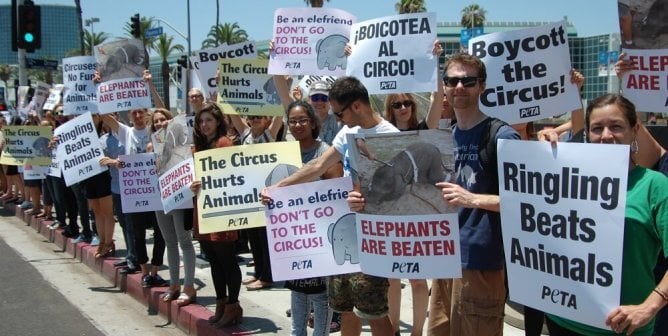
x=479 y=230
x=112 y=148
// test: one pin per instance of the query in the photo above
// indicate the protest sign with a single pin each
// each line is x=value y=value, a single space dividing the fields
x=562 y=215
x=245 y=88
x=79 y=150
x=54 y=167
x=54 y=97
x=410 y=247
x=175 y=186
x=232 y=178
x=138 y=178
x=397 y=174
x=32 y=172
x=646 y=84
x=311 y=230
x=121 y=67
x=26 y=145
x=310 y=41
x=528 y=73
x=80 y=93
x=394 y=53
x=205 y=63
x=40 y=95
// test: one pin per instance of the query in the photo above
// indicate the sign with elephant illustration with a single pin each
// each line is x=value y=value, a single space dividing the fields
x=26 y=145
x=245 y=88
x=311 y=231
x=394 y=54
x=232 y=178
x=310 y=41
x=397 y=174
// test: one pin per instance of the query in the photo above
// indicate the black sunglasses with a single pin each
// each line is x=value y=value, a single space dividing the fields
x=319 y=98
x=466 y=81
x=340 y=113
x=405 y=103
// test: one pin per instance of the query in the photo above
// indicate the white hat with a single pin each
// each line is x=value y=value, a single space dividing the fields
x=319 y=87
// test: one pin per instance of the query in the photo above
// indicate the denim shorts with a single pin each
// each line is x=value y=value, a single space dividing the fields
x=364 y=294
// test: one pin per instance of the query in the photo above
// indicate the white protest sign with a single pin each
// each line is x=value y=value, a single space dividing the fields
x=39 y=97
x=562 y=215
x=79 y=93
x=138 y=178
x=410 y=247
x=32 y=172
x=79 y=150
x=394 y=53
x=54 y=97
x=311 y=231
x=646 y=85
x=205 y=63
x=54 y=167
x=528 y=73
x=175 y=186
x=121 y=67
x=310 y=41
x=245 y=88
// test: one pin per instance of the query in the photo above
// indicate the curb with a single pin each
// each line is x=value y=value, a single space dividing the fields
x=191 y=319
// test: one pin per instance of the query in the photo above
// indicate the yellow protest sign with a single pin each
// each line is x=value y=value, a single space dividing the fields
x=245 y=88
x=26 y=145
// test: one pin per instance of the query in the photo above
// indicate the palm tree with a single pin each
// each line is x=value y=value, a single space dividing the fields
x=164 y=48
x=149 y=42
x=77 y=3
x=95 y=38
x=475 y=12
x=410 y=6
x=225 y=33
x=315 y=3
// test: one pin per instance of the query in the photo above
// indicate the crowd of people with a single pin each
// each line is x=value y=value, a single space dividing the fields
x=319 y=121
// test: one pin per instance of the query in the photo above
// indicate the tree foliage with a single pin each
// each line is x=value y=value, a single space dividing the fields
x=410 y=6
x=473 y=11
x=229 y=33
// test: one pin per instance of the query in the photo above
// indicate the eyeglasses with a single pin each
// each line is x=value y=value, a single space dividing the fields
x=466 y=81
x=255 y=117
x=340 y=113
x=195 y=96
x=319 y=98
x=301 y=122
x=399 y=105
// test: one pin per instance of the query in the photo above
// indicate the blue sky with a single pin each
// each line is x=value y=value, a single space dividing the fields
x=590 y=17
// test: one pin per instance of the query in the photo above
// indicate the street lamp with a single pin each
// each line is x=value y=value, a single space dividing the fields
x=473 y=13
x=89 y=23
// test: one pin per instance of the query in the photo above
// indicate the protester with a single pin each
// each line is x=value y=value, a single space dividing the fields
x=210 y=132
x=32 y=187
x=474 y=304
x=611 y=119
x=47 y=196
x=14 y=180
x=318 y=97
x=366 y=295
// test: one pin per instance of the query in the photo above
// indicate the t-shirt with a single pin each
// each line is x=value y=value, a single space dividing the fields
x=248 y=139
x=112 y=148
x=662 y=165
x=479 y=230
x=645 y=234
x=134 y=140
x=330 y=127
x=340 y=142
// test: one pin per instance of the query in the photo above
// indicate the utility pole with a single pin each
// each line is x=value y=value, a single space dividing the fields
x=21 y=53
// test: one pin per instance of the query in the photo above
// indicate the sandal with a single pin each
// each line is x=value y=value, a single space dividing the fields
x=258 y=285
x=185 y=299
x=249 y=281
x=170 y=296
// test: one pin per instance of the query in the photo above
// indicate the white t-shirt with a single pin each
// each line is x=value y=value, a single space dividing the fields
x=134 y=140
x=340 y=142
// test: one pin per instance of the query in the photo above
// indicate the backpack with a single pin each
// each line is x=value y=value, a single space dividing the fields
x=487 y=151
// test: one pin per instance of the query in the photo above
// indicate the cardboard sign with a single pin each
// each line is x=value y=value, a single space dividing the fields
x=205 y=63
x=26 y=145
x=138 y=179
x=245 y=88
x=175 y=186
x=79 y=150
x=79 y=93
x=646 y=84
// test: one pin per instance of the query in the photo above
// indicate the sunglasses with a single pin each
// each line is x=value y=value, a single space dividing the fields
x=399 y=105
x=340 y=113
x=466 y=81
x=319 y=98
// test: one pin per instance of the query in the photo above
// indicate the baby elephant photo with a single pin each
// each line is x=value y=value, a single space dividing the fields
x=418 y=163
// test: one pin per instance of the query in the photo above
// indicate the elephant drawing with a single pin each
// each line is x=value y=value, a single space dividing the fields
x=330 y=52
x=343 y=237
x=279 y=172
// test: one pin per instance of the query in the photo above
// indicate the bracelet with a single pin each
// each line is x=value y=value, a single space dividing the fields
x=661 y=293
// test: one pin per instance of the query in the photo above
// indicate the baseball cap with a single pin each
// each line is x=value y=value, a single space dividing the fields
x=319 y=87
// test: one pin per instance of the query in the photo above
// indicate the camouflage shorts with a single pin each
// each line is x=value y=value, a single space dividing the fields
x=364 y=294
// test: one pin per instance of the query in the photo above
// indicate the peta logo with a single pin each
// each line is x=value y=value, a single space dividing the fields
x=405 y=267
x=559 y=297
x=530 y=112
x=388 y=85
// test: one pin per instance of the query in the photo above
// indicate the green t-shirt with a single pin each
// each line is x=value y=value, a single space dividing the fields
x=645 y=234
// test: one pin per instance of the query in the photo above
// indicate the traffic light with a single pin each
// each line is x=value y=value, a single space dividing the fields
x=30 y=27
x=135 y=26
x=183 y=63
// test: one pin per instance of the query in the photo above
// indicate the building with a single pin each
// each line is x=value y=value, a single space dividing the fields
x=60 y=33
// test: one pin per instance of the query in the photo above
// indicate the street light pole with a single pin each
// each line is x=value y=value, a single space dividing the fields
x=89 y=22
x=473 y=13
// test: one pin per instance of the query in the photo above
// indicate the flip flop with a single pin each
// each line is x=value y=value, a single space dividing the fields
x=185 y=299
x=170 y=295
x=258 y=285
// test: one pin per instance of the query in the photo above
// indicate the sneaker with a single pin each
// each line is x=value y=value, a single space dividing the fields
x=158 y=281
x=26 y=205
x=95 y=241
x=81 y=239
x=146 y=281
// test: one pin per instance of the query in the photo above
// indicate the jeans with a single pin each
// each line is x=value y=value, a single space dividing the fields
x=140 y=221
x=128 y=230
x=82 y=208
x=300 y=304
x=57 y=187
x=174 y=234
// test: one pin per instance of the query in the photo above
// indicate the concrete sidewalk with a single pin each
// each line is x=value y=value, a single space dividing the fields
x=264 y=311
